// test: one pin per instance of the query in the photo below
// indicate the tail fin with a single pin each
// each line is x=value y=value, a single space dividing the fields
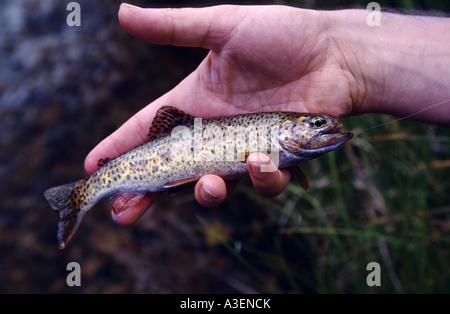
x=63 y=199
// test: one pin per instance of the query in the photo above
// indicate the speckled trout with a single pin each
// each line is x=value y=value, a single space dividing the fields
x=182 y=148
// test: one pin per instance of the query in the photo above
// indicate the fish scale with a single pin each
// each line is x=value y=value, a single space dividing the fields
x=182 y=148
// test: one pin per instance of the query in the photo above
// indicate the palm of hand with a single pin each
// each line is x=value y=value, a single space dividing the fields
x=265 y=64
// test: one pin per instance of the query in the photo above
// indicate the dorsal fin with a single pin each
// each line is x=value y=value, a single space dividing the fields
x=166 y=118
x=103 y=161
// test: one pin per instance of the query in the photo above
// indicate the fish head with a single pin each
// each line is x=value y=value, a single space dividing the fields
x=309 y=135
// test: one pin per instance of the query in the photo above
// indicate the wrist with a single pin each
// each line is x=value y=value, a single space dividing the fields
x=399 y=67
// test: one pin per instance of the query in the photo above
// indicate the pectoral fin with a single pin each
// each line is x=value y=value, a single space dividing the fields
x=299 y=176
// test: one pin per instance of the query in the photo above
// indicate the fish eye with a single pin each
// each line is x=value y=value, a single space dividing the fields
x=317 y=122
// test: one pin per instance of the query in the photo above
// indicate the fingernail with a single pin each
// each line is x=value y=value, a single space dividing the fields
x=124 y=4
x=207 y=195
x=118 y=210
x=112 y=216
x=256 y=170
x=123 y=203
x=259 y=159
x=261 y=164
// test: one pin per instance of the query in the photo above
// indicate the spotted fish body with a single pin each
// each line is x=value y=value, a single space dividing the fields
x=182 y=148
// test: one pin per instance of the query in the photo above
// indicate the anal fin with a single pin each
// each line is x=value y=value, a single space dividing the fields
x=179 y=183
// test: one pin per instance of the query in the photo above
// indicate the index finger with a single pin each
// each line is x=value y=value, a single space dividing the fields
x=129 y=135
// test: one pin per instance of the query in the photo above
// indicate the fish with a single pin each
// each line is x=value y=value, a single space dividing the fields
x=182 y=148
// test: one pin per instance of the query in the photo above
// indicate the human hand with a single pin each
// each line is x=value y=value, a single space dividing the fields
x=262 y=58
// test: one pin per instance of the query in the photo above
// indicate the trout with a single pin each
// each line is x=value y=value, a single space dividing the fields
x=182 y=148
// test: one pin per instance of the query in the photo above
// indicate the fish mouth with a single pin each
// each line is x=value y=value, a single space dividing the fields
x=331 y=138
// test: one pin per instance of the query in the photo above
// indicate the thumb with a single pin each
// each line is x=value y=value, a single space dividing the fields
x=188 y=27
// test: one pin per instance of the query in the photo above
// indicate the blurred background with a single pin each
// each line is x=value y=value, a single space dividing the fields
x=384 y=198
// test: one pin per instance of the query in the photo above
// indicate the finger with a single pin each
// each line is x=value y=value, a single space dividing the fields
x=128 y=136
x=188 y=27
x=128 y=208
x=210 y=190
x=268 y=183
